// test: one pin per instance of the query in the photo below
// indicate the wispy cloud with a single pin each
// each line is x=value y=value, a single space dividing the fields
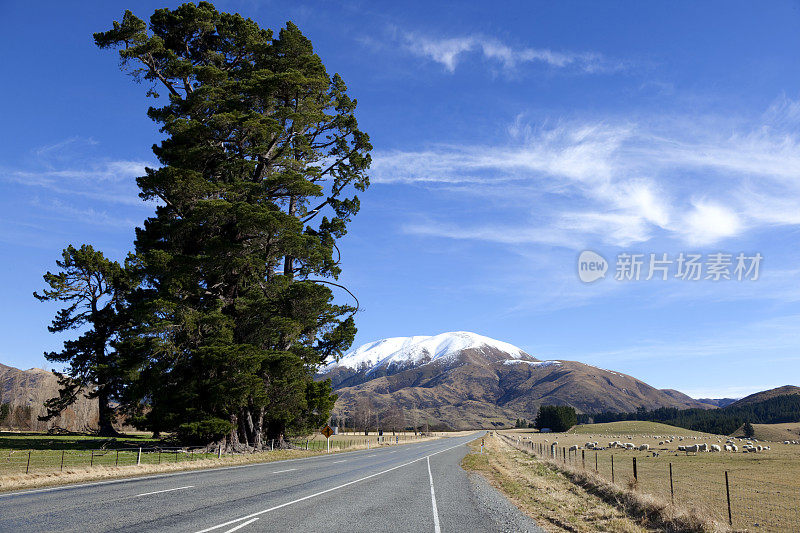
x=619 y=182
x=449 y=52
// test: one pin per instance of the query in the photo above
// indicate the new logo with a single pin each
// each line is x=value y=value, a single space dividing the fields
x=591 y=266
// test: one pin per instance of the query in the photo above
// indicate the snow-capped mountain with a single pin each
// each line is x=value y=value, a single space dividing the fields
x=465 y=380
x=407 y=352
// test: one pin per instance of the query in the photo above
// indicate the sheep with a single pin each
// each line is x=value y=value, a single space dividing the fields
x=728 y=448
x=715 y=448
x=693 y=448
x=786 y=442
x=735 y=447
x=681 y=448
x=703 y=447
x=574 y=448
x=644 y=447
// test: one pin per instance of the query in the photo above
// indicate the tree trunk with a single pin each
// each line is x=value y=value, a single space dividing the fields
x=107 y=415
x=258 y=430
x=233 y=436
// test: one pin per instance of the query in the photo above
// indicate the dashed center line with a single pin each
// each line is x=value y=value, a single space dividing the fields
x=282 y=471
x=342 y=461
x=240 y=526
x=165 y=490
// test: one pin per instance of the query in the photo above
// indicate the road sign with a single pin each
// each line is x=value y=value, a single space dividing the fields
x=327 y=431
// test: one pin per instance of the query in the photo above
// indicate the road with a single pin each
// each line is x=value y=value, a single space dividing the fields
x=414 y=487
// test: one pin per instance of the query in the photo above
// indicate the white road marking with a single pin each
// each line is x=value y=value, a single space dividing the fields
x=373 y=455
x=282 y=471
x=240 y=526
x=342 y=461
x=165 y=490
x=436 y=527
x=212 y=528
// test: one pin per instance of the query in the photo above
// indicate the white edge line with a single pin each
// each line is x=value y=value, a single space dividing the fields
x=240 y=526
x=342 y=461
x=282 y=471
x=135 y=478
x=436 y=528
x=165 y=490
x=212 y=528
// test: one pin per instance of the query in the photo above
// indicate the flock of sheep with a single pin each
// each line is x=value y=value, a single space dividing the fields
x=730 y=445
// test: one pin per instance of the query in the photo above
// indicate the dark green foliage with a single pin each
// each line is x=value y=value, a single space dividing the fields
x=748 y=430
x=777 y=410
x=94 y=290
x=261 y=147
x=558 y=418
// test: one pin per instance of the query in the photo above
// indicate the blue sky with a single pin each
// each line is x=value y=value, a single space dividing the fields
x=506 y=142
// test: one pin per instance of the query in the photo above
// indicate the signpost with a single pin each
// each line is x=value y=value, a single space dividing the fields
x=327 y=431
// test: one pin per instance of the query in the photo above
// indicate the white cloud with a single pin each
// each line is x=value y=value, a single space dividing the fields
x=450 y=51
x=618 y=182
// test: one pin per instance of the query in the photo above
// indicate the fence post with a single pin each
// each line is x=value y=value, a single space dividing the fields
x=728 y=493
x=176 y=456
x=139 y=457
x=62 y=460
x=28 y=466
x=219 y=452
x=612 y=468
x=272 y=445
x=91 y=461
x=583 y=459
x=595 y=463
x=116 y=461
x=671 y=487
x=159 y=456
x=635 y=473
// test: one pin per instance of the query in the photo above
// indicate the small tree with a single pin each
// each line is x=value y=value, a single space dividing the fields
x=748 y=429
x=94 y=289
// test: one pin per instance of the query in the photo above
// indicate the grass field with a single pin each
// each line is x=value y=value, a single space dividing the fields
x=774 y=432
x=765 y=487
x=30 y=453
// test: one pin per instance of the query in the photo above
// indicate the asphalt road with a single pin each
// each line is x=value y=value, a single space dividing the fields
x=414 y=487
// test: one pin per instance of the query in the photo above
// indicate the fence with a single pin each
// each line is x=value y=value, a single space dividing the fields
x=744 y=502
x=45 y=461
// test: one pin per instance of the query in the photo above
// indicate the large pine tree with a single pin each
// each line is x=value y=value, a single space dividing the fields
x=260 y=160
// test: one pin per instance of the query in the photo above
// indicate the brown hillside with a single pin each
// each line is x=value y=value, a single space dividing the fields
x=27 y=390
x=766 y=395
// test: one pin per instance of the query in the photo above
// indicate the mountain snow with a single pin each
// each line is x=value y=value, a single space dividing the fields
x=532 y=363
x=408 y=351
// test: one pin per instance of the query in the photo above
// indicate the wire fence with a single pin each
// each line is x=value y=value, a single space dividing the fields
x=741 y=501
x=17 y=461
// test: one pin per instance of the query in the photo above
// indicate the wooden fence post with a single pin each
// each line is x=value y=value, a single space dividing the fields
x=116 y=461
x=91 y=461
x=612 y=468
x=728 y=493
x=635 y=474
x=595 y=463
x=28 y=466
x=62 y=460
x=583 y=459
x=671 y=486
x=139 y=457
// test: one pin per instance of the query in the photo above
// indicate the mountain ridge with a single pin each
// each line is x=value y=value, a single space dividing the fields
x=479 y=382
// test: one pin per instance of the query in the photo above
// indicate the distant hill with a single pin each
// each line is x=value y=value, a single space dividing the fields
x=769 y=407
x=717 y=402
x=25 y=392
x=766 y=395
x=773 y=432
x=464 y=380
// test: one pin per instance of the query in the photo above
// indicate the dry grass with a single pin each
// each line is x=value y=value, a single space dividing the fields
x=774 y=432
x=764 y=486
x=545 y=494
x=70 y=475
